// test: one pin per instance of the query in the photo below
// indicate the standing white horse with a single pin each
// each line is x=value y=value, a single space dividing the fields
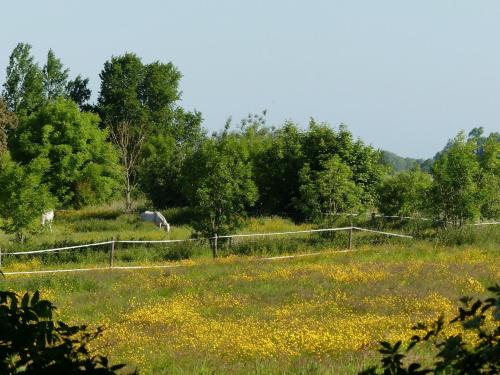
x=157 y=218
x=48 y=218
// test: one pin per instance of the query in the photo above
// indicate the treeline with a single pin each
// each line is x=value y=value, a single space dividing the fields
x=401 y=164
x=59 y=150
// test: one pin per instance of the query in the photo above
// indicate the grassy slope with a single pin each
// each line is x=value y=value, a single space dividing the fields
x=318 y=314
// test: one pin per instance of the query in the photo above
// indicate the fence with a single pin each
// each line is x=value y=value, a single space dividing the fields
x=214 y=242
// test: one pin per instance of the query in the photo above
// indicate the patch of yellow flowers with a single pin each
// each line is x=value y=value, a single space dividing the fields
x=231 y=326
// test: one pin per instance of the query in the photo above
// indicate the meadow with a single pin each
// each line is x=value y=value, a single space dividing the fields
x=243 y=314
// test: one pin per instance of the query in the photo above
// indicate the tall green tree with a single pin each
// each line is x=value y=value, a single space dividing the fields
x=145 y=97
x=321 y=142
x=488 y=152
x=8 y=123
x=119 y=99
x=456 y=171
x=23 y=87
x=82 y=165
x=23 y=195
x=163 y=157
x=405 y=193
x=132 y=91
x=55 y=77
x=329 y=191
x=277 y=168
x=159 y=91
x=219 y=184
x=78 y=91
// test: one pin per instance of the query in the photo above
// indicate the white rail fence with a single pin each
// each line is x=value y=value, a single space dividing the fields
x=400 y=217
x=213 y=242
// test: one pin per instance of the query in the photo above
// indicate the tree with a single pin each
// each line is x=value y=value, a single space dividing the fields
x=321 y=142
x=82 y=165
x=23 y=196
x=405 y=193
x=164 y=155
x=141 y=94
x=78 y=91
x=23 y=87
x=219 y=184
x=488 y=152
x=455 y=188
x=119 y=99
x=8 y=123
x=329 y=191
x=277 y=167
x=145 y=96
x=54 y=77
x=32 y=342
x=128 y=139
x=159 y=91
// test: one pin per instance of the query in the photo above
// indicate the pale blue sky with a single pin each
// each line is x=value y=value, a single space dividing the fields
x=404 y=75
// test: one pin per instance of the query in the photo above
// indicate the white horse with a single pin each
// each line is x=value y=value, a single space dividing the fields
x=157 y=218
x=48 y=218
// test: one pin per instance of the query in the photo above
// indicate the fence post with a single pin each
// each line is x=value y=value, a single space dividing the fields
x=0 y=258
x=112 y=253
x=214 y=247
x=350 y=237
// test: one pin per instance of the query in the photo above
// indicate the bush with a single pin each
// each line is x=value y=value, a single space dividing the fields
x=32 y=342
x=476 y=350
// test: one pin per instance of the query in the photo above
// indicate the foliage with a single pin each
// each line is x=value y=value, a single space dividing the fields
x=54 y=77
x=488 y=153
x=219 y=184
x=277 y=166
x=475 y=351
x=145 y=96
x=8 y=123
x=78 y=91
x=405 y=193
x=31 y=342
x=159 y=90
x=23 y=196
x=23 y=87
x=329 y=191
x=82 y=167
x=455 y=189
x=321 y=142
x=118 y=99
x=132 y=91
x=164 y=155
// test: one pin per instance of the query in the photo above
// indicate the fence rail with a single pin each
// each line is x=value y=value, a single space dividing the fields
x=213 y=241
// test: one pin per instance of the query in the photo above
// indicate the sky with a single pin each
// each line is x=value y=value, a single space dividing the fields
x=405 y=76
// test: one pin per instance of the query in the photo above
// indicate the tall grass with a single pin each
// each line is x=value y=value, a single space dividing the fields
x=103 y=223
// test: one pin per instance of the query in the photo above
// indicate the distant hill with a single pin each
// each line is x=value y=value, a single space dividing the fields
x=400 y=163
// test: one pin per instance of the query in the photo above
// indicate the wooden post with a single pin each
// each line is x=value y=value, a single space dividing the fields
x=112 y=253
x=0 y=258
x=214 y=247
x=350 y=237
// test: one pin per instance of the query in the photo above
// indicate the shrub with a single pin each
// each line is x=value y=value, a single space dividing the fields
x=479 y=353
x=32 y=342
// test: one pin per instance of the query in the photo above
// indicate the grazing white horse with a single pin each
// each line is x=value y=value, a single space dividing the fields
x=48 y=218
x=157 y=218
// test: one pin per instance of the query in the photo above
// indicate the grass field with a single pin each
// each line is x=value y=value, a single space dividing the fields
x=315 y=314
x=243 y=314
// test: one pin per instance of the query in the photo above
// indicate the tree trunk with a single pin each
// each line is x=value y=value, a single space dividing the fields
x=128 y=198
